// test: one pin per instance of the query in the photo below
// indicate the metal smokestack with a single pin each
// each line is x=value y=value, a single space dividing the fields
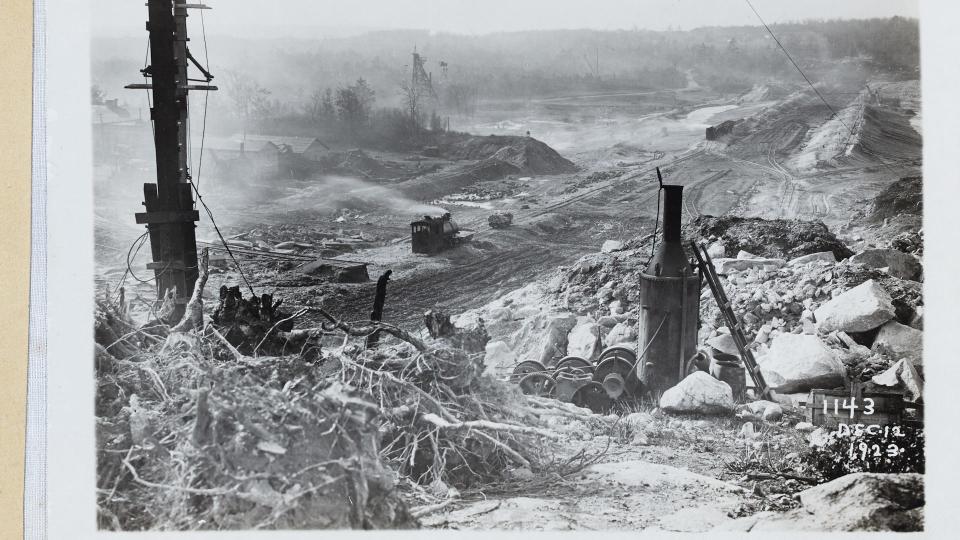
x=670 y=260
x=672 y=210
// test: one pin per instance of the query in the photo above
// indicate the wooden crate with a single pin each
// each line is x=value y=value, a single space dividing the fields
x=830 y=408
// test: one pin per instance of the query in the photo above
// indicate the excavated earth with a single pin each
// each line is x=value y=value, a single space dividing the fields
x=680 y=474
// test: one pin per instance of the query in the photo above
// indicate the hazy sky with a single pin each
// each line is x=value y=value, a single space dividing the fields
x=306 y=18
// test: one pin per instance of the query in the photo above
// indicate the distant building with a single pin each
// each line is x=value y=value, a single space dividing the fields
x=308 y=147
x=298 y=156
x=118 y=135
x=238 y=158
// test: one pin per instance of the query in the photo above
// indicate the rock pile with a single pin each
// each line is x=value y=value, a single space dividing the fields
x=814 y=321
x=771 y=238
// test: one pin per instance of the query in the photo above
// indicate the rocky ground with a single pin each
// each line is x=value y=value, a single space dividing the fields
x=826 y=300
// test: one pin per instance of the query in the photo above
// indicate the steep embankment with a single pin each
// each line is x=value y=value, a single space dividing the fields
x=881 y=126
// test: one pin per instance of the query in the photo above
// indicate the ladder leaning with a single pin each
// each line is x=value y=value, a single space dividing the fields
x=707 y=270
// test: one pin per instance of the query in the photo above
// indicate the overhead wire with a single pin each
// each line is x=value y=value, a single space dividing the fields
x=792 y=61
x=206 y=99
x=194 y=185
x=810 y=83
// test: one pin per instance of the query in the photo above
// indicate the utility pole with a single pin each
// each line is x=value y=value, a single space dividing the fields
x=170 y=214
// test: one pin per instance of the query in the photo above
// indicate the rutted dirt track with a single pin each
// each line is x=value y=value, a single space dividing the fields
x=748 y=178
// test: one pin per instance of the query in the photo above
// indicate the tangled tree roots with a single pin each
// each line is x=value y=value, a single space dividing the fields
x=195 y=434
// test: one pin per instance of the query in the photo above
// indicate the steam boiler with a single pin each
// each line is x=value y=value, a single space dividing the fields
x=669 y=305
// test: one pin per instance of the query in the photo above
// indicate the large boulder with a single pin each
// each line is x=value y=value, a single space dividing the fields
x=727 y=266
x=859 y=309
x=898 y=264
x=822 y=256
x=622 y=333
x=799 y=362
x=610 y=246
x=499 y=358
x=554 y=344
x=584 y=340
x=698 y=393
x=902 y=376
x=900 y=341
x=855 y=502
x=717 y=250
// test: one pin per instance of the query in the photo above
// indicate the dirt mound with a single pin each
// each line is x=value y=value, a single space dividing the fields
x=905 y=196
x=443 y=183
x=775 y=238
x=357 y=162
x=525 y=153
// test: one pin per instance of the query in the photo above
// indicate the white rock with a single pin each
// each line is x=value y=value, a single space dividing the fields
x=773 y=413
x=917 y=320
x=896 y=263
x=859 y=309
x=616 y=308
x=797 y=362
x=584 y=340
x=825 y=256
x=746 y=431
x=865 y=501
x=757 y=407
x=498 y=358
x=804 y=427
x=610 y=246
x=637 y=420
x=726 y=266
x=861 y=502
x=820 y=437
x=746 y=255
x=640 y=439
x=554 y=344
x=622 y=333
x=717 y=250
x=902 y=375
x=698 y=393
x=900 y=340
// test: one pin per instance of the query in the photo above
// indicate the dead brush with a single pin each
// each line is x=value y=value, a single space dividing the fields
x=194 y=434
x=764 y=462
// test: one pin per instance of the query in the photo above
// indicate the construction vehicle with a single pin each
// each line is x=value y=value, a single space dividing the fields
x=432 y=235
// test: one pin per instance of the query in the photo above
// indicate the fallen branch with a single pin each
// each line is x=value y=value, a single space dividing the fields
x=237 y=354
x=195 y=491
x=517 y=458
x=375 y=326
x=392 y=378
x=485 y=424
x=774 y=475
x=421 y=511
x=274 y=327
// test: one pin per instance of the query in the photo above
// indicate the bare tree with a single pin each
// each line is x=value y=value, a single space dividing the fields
x=249 y=99
x=354 y=103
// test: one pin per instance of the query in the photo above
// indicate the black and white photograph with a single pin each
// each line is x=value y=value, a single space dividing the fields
x=616 y=265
